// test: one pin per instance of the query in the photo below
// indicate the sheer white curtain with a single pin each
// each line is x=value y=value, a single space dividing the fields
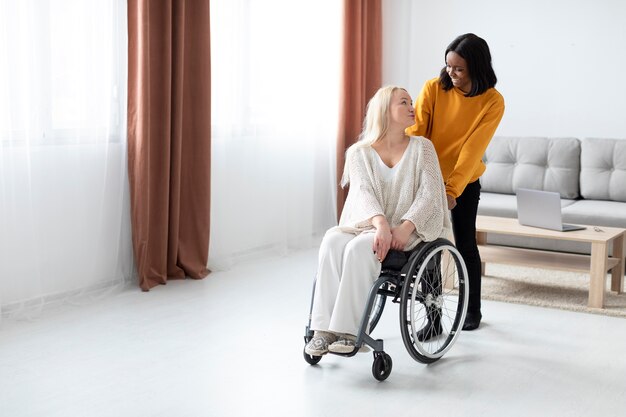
x=275 y=83
x=64 y=225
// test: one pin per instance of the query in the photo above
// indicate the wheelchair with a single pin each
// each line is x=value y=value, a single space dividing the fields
x=429 y=281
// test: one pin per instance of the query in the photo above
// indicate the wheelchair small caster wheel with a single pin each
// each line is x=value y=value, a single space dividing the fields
x=381 y=368
x=310 y=359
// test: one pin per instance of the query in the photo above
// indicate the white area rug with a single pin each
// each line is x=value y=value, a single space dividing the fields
x=547 y=288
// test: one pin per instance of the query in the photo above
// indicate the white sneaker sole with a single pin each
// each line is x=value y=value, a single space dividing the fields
x=313 y=352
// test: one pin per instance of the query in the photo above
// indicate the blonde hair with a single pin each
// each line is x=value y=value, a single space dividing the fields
x=375 y=124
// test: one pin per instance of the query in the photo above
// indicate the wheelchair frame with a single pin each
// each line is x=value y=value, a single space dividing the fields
x=416 y=268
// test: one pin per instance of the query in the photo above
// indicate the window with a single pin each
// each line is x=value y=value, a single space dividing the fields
x=61 y=65
x=275 y=76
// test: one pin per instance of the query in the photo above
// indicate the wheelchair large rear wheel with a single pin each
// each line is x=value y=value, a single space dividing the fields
x=435 y=288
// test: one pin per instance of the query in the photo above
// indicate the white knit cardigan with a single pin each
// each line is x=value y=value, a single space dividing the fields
x=417 y=192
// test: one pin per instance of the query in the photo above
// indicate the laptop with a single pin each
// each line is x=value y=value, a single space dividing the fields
x=541 y=209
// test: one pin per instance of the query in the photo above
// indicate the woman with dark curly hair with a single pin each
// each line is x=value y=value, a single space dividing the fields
x=459 y=112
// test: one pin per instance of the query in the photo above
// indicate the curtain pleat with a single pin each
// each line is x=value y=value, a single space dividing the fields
x=169 y=138
x=361 y=75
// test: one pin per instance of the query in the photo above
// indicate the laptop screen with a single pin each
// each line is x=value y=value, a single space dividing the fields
x=539 y=208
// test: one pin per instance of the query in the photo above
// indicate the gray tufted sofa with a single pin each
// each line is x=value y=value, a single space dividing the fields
x=590 y=175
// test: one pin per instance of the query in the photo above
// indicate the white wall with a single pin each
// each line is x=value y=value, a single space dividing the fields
x=560 y=64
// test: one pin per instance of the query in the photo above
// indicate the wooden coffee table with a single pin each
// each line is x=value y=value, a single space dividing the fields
x=597 y=264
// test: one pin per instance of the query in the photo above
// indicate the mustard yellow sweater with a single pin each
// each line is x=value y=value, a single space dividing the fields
x=460 y=128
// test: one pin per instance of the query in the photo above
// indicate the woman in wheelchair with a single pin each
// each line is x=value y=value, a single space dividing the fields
x=396 y=200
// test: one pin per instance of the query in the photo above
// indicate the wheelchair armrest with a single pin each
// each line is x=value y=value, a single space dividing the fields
x=395 y=260
x=399 y=260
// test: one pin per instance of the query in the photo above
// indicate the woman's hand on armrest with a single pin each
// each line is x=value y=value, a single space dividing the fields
x=382 y=240
x=400 y=235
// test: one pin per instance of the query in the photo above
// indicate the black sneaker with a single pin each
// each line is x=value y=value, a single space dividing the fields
x=472 y=320
x=429 y=331
x=433 y=326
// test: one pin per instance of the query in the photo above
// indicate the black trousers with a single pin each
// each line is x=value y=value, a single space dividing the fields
x=464 y=229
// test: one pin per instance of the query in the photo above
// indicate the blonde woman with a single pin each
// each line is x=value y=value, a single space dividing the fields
x=396 y=200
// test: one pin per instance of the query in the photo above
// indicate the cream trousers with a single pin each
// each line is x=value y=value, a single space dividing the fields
x=346 y=270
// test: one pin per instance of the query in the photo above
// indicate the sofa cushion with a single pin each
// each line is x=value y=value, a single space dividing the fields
x=549 y=164
x=499 y=205
x=603 y=169
x=596 y=213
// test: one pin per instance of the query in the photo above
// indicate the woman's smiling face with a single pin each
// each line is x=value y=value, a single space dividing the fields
x=456 y=67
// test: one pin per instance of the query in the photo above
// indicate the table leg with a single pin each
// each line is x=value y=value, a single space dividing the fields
x=481 y=239
x=597 y=273
x=617 y=274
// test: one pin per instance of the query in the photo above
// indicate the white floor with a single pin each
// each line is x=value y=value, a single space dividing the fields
x=231 y=345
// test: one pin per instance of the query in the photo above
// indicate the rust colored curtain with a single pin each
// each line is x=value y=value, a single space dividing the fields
x=361 y=76
x=169 y=138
